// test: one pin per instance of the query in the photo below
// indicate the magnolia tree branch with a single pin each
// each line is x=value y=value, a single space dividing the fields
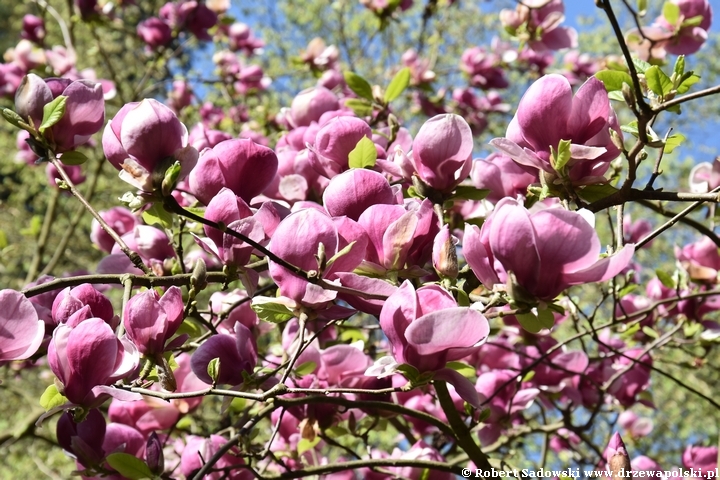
x=77 y=216
x=687 y=221
x=118 y=279
x=172 y=205
x=686 y=98
x=44 y=235
x=461 y=431
x=133 y=256
x=623 y=196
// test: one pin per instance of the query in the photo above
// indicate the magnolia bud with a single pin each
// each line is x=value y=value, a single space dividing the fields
x=154 y=454
x=628 y=95
x=444 y=254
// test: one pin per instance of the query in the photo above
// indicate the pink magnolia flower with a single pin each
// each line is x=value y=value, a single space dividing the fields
x=329 y=153
x=616 y=455
x=483 y=68
x=237 y=354
x=241 y=165
x=297 y=239
x=547 y=251
x=442 y=152
x=427 y=329
x=421 y=451
x=70 y=300
x=154 y=32
x=502 y=176
x=180 y=97
x=400 y=237
x=705 y=176
x=690 y=30
x=84 y=109
x=241 y=38
x=636 y=426
x=21 y=331
x=310 y=104
x=33 y=28
x=701 y=259
x=354 y=191
x=146 y=415
x=120 y=219
x=73 y=356
x=198 y=450
x=420 y=72
x=549 y=113
x=84 y=440
x=538 y=22
x=701 y=458
x=143 y=140
x=320 y=56
x=150 y=320
x=73 y=171
x=233 y=212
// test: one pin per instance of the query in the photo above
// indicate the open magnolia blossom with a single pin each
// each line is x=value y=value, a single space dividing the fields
x=549 y=113
x=546 y=251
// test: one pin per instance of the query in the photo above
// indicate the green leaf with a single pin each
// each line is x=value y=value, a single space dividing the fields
x=665 y=278
x=593 y=193
x=462 y=368
x=657 y=81
x=692 y=21
x=271 y=310
x=157 y=215
x=33 y=230
x=73 y=157
x=613 y=79
x=650 y=332
x=408 y=371
x=363 y=155
x=640 y=65
x=627 y=289
x=562 y=156
x=361 y=107
x=679 y=68
x=529 y=376
x=12 y=117
x=468 y=192
x=51 y=398
x=213 y=369
x=642 y=7
x=341 y=253
x=616 y=95
x=358 y=85
x=484 y=414
x=546 y=318
x=397 y=85
x=190 y=327
x=631 y=128
x=673 y=141
x=691 y=329
x=529 y=322
x=671 y=12
x=52 y=113
x=129 y=466
x=336 y=431
x=171 y=178
x=3 y=240
x=687 y=80
x=305 y=368
x=305 y=445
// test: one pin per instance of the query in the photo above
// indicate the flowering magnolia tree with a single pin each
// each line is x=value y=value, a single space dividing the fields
x=379 y=252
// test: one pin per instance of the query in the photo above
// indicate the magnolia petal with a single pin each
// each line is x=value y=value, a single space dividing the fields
x=450 y=328
x=464 y=387
x=603 y=269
